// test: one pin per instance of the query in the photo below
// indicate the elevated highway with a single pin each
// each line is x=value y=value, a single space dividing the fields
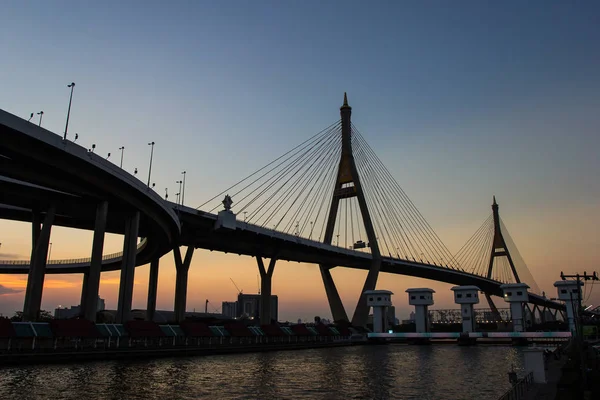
x=39 y=170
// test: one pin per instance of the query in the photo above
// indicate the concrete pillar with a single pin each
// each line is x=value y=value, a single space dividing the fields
x=335 y=302
x=37 y=268
x=421 y=298
x=380 y=300
x=84 y=286
x=516 y=295
x=91 y=279
x=265 y=289
x=534 y=362
x=152 y=290
x=128 y=268
x=466 y=296
x=36 y=228
x=181 y=281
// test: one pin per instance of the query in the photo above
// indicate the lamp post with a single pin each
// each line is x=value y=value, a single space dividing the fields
x=72 y=86
x=41 y=114
x=150 y=168
x=180 y=183
x=122 y=148
x=183 y=191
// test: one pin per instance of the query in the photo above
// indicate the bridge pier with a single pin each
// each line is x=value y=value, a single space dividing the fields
x=152 y=290
x=128 y=268
x=37 y=270
x=91 y=278
x=181 y=281
x=265 y=289
x=335 y=302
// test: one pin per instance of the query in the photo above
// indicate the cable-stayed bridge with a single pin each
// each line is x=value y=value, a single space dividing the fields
x=329 y=201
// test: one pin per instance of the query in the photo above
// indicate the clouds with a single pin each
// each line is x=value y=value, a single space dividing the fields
x=6 y=290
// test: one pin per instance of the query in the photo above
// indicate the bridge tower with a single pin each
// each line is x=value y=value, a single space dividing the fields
x=499 y=249
x=348 y=185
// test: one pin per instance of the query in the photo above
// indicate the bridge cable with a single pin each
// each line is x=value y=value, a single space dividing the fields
x=364 y=165
x=276 y=178
x=402 y=196
x=272 y=162
x=374 y=165
x=289 y=169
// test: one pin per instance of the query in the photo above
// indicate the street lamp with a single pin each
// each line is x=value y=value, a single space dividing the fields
x=41 y=114
x=166 y=193
x=122 y=148
x=31 y=116
x=180 y=183
x=72 y=86
x=183 y=192
x=150 y=168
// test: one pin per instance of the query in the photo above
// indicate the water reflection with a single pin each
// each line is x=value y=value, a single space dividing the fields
x=362 y=372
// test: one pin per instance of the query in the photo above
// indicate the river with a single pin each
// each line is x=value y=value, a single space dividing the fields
x=362 y=372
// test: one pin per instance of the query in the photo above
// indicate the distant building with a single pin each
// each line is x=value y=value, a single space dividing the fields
x=101 y=304
x=248 y=305
x=391 y=316
x=75 y=311
x=67 y=312
x=412 y=316
x=229 y=309
x=160 y=316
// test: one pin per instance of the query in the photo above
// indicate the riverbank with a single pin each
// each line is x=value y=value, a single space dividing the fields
x=74 y=355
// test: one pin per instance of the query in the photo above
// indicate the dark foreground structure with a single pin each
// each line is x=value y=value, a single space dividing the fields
x=80 y=340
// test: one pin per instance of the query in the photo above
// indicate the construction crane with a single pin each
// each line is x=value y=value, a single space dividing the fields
x=236 y=286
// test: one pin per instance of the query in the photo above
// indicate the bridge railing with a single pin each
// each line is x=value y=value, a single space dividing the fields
x=520 y=389
x=86 y=260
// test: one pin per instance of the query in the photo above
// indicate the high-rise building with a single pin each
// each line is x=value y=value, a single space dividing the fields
x=229 y=309
x=248 y=305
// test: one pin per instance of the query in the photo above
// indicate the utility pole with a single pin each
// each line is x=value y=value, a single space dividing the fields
x=578 y=319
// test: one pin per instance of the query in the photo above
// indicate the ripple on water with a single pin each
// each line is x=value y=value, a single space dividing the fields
x=361 y=372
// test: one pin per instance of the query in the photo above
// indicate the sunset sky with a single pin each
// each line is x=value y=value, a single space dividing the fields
x=460 y=100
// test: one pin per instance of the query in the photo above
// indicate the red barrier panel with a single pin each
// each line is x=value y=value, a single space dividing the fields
x=237 y=329
x=76 y=328
x=323 y=330
x=344 y=331
x=301 y=330
x=272 y=330
x=7 y=329
x=195 y=329
x=143 y=329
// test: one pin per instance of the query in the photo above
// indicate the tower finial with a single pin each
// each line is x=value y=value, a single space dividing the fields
x=495 y=204
x=345 y=105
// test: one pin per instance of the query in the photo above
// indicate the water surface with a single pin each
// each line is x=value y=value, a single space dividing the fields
x=363 y=372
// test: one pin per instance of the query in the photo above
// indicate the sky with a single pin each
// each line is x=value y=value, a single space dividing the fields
x=460 y=100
